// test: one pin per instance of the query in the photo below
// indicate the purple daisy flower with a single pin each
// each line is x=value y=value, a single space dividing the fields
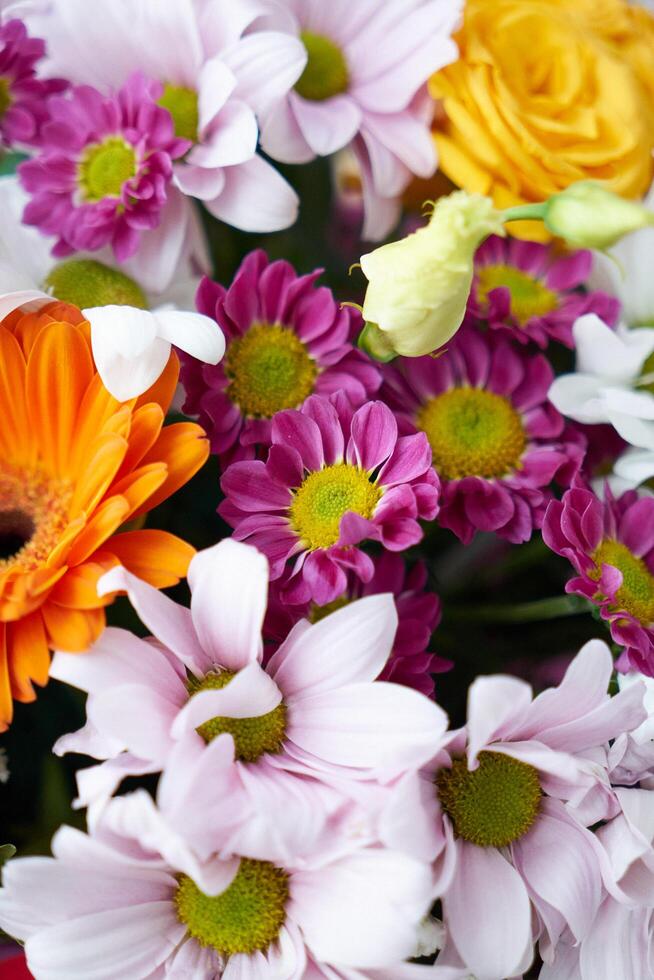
x=286 y=339
x=332 y=479
x=23 y=108
x=104 y=168
x=533 y=291
x=418 y=611
x=497 y=442
x=610 y=544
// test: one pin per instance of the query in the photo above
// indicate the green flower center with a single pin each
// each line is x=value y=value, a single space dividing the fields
x=85 y=283
x=246 y=917
x=322 y=499
x=182 y=104
x=253 y=737
x=494 y=804
x=269 y=369
x=105 y=168
x=636 y=594
x=326 y=72
x=5 y=96
x=472 y=433
x=316 y=613
x=529 y=297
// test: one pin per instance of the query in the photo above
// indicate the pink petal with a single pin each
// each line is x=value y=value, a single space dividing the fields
x=327 y=126
x=495 y=707
x=372 y=436
x=250 y=694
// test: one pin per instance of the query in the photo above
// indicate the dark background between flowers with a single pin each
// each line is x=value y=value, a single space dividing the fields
x=473 y=582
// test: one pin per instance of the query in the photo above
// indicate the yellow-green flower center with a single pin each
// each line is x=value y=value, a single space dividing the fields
x=85 y=283
x=246 y=917
x=472 y=433
x=316 y=613
x=323 y=498
x=494 y=804
x=636 y=594
x=326 y=72
x=5 y=96
x=253 y=737
x=529 y=296
x=270 y=369
x=105 y=167
x=182 y=104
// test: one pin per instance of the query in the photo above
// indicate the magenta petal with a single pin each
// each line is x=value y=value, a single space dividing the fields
x=323 y=414
x=410 y=460
x=301 y=433
x=373 y=436
x=249 y=486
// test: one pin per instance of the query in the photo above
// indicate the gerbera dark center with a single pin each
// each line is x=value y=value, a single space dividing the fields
x=326 y=72
x=86 y=283
x=182 y=104
x=494 y=804
x=253 y=737
x=636 y=594
x=529 y=296
x=270 y=369
x=472 y=433
x=33 y=514
x=5 y=96
x=16 y=529
x=324 y=496
x=105 y=168
x=246 y=917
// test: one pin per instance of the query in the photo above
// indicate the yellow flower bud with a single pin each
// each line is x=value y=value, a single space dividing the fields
x=589 y=216
x=418 y=287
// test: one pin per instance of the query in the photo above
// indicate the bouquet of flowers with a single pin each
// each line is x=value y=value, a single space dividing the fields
x=326 y=490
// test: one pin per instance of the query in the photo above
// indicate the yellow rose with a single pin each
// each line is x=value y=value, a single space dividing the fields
x=541 y=97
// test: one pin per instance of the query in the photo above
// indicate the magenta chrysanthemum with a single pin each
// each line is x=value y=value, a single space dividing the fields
x=533 y=292
x=286 y=339
x=23 y=108
x=332 y=479
x=418 y=611
x=104 y=168
x=610 y=544
x=497 y=443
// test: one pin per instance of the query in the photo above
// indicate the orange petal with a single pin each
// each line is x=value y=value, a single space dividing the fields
x=15 y=444
x=138 y=487
x=96 y=409
x=147 y=422
x=59 y=370
x=79 y=589
x=29 y=657
x=6 y=703
x=163 y=390
x=98 y=474
x=59 y=553
x=184 y=447
x=72 y=630
x=157 y=557
x=105 y=521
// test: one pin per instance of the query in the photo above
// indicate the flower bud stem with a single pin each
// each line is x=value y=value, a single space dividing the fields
x=524 y=612
x=525 y=212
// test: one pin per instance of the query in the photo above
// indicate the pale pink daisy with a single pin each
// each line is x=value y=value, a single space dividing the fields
x=503 y=818
x=332 y=479
x=315 y=710
x=116 y=903
x=363 y=82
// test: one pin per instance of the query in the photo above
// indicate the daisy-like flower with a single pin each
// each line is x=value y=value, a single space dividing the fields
x=610 y=544
x=503 y=821
x=534 y=292
x=75 y=465
x=23 y=95
x=362 y=82
x=332 y=479
x=286 y=340
x=104 y=166
x=111 y=904
x=316 y=709
x=418 y=612
x=496 y=442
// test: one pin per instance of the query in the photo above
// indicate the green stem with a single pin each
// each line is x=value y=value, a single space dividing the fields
x=524 y=612
x=522 y=212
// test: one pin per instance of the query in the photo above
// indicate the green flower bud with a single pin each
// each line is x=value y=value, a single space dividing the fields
x=586 y=215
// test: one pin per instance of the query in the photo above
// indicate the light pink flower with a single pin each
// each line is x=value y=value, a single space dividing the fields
x=332 y=479
x=505 y=820
x=320 y=713
x=362 y=83
x=117 y=903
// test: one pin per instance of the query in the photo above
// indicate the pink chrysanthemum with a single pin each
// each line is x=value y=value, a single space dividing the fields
x=505 y=819
x=23 y=108
x=418 y=611
x=286 y=340
x=533 y=292
x=104 y=168
x=497 y=442
x=610 y=544
x=332 y=479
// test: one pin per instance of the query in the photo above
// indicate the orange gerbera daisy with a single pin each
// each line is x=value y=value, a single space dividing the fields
x=75 y=465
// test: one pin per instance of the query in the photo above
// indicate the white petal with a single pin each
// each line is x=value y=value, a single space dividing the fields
x=250 y=694
x=616 y=355
x=128 y=354
x=255 y=198
x=198 y=335
x=496 y=706
x=31 y=299
x=580 y=397
x=266 y=64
